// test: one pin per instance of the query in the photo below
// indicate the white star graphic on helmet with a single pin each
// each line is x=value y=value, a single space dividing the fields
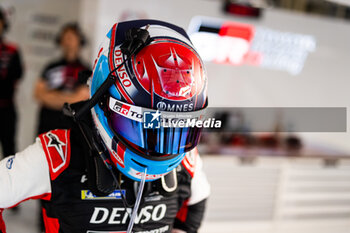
x=176 y=68
x=55 y=142
x=145 y=75
x=170 y=61
x=155 y=115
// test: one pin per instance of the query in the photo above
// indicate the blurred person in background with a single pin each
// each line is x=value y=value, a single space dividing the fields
x=10 y=73
x=59 y=81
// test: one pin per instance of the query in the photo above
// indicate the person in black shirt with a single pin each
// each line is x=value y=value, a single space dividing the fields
x=59 y=81
x=10 y=73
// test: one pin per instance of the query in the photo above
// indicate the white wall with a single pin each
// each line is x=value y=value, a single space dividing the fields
x=277 y=195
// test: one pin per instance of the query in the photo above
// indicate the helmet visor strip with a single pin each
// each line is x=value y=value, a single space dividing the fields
x=153 y=132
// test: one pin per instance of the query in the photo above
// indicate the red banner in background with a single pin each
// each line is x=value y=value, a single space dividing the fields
x=237 y=43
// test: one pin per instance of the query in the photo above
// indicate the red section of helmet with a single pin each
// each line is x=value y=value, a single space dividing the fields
x=172 y=69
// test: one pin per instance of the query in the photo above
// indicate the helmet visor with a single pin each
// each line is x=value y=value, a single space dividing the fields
x=152 y=132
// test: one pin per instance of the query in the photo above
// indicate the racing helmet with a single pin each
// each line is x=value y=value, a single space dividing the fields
x=165 y=76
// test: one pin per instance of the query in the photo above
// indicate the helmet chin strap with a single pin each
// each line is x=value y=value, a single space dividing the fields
x=101 y=149
x=135 y=40
x=138 y=200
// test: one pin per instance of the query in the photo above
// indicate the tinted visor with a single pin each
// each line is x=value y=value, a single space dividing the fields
x=143 y=129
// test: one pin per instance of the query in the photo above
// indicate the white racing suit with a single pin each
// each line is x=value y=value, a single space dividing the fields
x=53 y=170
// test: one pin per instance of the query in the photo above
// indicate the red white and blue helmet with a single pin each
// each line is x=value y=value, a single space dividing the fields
x=166 y=75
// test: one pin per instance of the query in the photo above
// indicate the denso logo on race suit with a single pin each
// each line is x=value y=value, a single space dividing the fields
x=120 y=215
